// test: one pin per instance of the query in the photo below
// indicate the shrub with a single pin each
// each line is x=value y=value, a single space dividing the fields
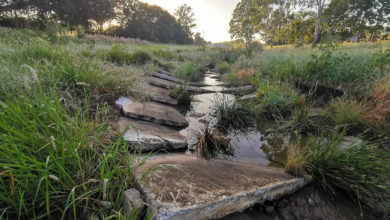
x=188 y=71
x=359 y=170
x=223 y=67
x=139 y=57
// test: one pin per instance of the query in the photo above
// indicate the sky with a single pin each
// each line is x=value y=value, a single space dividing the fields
x=212 y=16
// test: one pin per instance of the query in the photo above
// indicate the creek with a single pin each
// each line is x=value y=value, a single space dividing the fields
x=254 y=146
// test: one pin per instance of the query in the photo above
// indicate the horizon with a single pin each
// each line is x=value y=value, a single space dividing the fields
x=216 y=29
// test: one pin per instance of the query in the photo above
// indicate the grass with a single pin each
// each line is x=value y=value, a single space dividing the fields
x=188 y=71
x=223 y=67
x=232 y=115
x=212 y=145
x=344 y=111
x=60 y=152
x=359 y=170
x=276 y=100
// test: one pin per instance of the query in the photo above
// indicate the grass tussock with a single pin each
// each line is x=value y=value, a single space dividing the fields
x=188 y=71
x=344 y=111
x=359 y=170
x=119 y=55
x=223 y=67
x=231 y=114
x=211 y=145
x=379 y=114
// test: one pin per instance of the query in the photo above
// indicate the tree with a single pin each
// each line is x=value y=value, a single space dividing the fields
x=319 y=6
x=198 y=40
x=240 y=24
x=186 y=18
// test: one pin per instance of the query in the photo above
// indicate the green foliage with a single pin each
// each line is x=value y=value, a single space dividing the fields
x=275 y=101
x=223 y=67
x=359 y=170
x=345 y=111
x=189 y=71
x=232 y=115
x=186 y=18
x=120 y=55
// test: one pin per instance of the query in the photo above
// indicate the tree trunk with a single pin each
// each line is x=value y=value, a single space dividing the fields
x=273 y=39
x=318 y=26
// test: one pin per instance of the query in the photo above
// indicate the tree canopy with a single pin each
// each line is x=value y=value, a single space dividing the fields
x=305 y=21
x=186 y=18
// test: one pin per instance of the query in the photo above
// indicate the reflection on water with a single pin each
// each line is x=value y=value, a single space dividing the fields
x=251 y=146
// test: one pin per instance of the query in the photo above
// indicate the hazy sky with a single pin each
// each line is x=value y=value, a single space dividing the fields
x=212 y=16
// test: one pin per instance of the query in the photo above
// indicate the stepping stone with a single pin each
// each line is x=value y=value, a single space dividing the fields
x=152 y=112
x=171 y=85
x=210 y=189
x=176 y=80
x=165 y=72
x=243 y=90
x=151 y=137
x=249 y=97
x=160 y=95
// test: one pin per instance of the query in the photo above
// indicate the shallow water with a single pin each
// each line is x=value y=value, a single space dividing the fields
x=255 y=147
x=251 y=146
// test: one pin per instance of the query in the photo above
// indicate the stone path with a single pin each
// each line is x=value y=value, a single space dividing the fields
x=151 y=112
x=155 y=81
x=151 y=137
x=160 y=95
x=202 y=189
x=175 y=80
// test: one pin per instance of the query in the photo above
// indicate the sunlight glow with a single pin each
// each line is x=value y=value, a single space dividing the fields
x=212 y=16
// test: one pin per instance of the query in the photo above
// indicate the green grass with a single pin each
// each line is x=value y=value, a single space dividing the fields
x=223 y=67
x=60 y=151
x=359 y=170
x=188 y=71
x=345 y=111
x=232 y=115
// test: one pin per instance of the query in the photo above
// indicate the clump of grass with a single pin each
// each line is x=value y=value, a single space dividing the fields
x=223 y=67
x=344 y=111
x=188 y=71
x=119 y=55
x=181 y=95
x=359 y=170
x=276 y=101
x=211 y=145
x=379 y=115
x=232 y=115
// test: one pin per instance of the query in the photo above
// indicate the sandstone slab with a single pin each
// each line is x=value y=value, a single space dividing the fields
x=201 y=189
x=151 y=112
x=151 y=137
x=171 y=85
x=249 y=97
x=160 y=95
x=243 y=90
x=176 y=80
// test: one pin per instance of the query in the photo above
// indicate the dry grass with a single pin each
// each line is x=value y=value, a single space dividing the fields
x=379 y=115
x=98 y=37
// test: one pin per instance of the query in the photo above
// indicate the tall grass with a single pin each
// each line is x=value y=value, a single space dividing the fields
x=231 y=114
x=359 y=170
x=189 y=71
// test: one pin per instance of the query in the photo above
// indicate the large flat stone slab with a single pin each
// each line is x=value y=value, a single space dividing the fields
x=243 y=90
x=151 y=112
x=176 y=80
x=201 y=189
x=151 y=137
x=160 y=95
x=155 y=81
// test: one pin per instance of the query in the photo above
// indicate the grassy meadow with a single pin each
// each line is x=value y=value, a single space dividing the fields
x=61 y=150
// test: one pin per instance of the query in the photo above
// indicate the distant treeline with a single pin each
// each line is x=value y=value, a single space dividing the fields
x=128 y=18
x=307 y=21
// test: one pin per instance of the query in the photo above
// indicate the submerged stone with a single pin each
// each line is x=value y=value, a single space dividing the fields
x=151 y=137
x=243 y=90
x=208 y=189
x=152 y=112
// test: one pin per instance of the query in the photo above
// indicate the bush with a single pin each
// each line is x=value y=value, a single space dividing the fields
x=359 y=170
x=223 y=67
x=188 y=71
